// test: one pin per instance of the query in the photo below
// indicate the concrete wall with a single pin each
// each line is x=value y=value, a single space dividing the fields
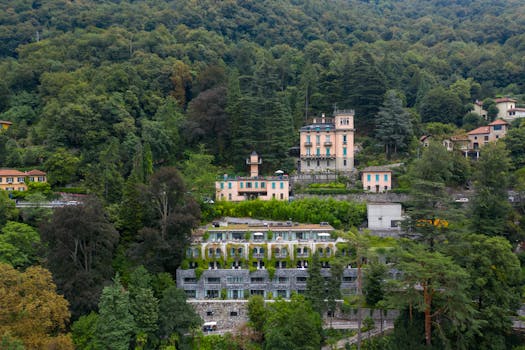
x=380 y=216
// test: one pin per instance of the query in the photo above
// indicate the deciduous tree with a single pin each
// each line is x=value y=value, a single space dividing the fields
x=81 y=242
x=31 y=310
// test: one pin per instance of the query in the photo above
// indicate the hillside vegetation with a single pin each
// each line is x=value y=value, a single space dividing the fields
x=91 y=85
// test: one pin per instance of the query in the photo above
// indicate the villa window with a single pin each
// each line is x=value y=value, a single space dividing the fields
x=9 y=180
x=222 y=185
x=242 y=184
x=368 y=177
x=318 y=139
x=263 y=184
x=273 y=185
x=20 y=179
x=344 y=151
x=386 y=177
x=282 y=185
x=318 y=151
x=344 y=162
x=377 y=178
x=229 y=185
x=497 y=127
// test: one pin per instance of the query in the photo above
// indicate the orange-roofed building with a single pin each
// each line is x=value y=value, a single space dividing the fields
x=504 y=104
x=15 y=180
x=485 y=134
x=4 y=124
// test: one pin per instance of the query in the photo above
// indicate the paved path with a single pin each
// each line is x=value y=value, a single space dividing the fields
x=353 y=340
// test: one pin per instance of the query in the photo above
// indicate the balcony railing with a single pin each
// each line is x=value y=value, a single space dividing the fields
x=281 y=255
x=307 y=144
x=258 y=255
x=318 y=156
x=328 y=143
x=303 y=255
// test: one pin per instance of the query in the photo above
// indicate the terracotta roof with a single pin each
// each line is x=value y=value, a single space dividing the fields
x=480 y=130
x=5 y=122
x=479 y=103
x=499 y=122
x=36 y=172
x=381 y=169
x=504 y=99
x=424 y=137
x=11 y=172
x=459 y=138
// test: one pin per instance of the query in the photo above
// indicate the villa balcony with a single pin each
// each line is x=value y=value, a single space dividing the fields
x=281 y=255
x=328 y=143
x=318 y=156
x=302 y=255
x=258 y=255
x=252 y=190
x=307 y=144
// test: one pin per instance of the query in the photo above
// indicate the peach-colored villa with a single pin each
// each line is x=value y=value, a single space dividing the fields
x=328 y=144
x=238 y=189
x=376 y=179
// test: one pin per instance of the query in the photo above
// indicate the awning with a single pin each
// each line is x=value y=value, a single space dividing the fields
x=258 y=234
x=323 y=234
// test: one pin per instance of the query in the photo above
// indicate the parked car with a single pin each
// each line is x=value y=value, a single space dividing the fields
x=209 y=327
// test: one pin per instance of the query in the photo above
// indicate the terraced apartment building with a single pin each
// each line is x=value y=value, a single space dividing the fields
x=235 y=260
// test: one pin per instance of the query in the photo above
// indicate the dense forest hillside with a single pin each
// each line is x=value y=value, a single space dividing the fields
x=140 y=104
x=88 y=84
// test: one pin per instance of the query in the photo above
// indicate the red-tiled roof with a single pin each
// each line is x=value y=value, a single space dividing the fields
x=499 y=122
x=11 y=172
x=459 y=138
x=424 y=137
x=504 y=99
x=480 y=130
x=35 y=172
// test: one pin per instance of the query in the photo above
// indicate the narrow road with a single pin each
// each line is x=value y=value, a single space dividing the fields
x=353 y=340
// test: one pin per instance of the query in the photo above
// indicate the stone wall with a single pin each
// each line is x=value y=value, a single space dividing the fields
x=230 y=314
x=361 y=197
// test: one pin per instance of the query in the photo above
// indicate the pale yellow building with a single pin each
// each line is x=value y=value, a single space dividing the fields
x=15 y=180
